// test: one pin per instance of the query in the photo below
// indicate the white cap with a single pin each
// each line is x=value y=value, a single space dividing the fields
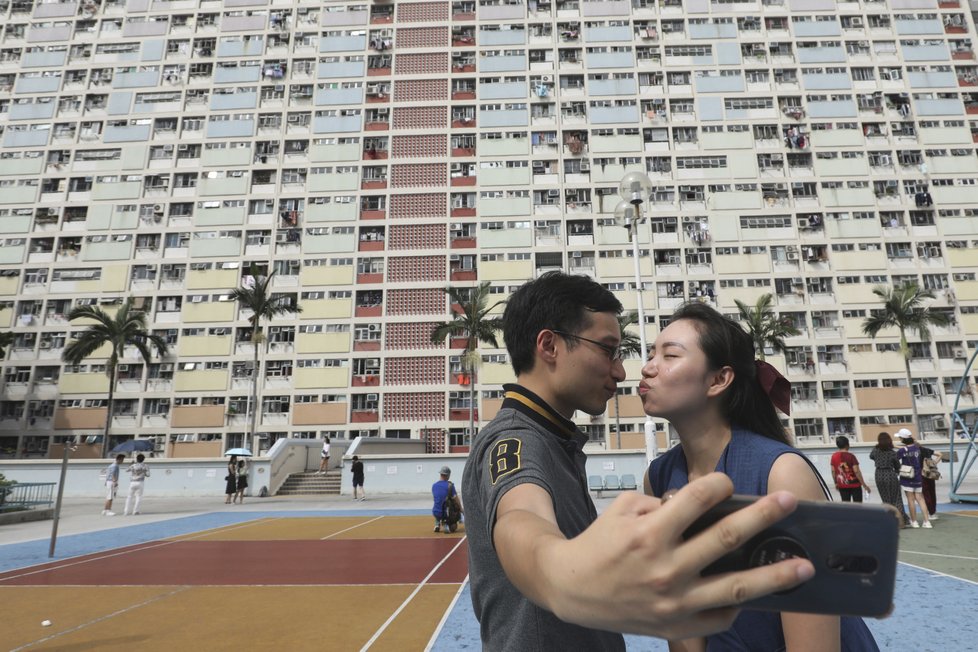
x=904 y=433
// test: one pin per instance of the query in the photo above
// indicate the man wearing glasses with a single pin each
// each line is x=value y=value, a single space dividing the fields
x=546 y=572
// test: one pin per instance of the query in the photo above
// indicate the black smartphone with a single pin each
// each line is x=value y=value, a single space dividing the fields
x=853 y=548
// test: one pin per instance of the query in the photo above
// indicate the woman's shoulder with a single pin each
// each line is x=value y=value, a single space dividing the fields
x=750 y=440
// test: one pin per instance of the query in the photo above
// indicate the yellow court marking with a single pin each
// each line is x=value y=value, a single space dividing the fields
x=399 y=527
x=25 y=607
x=286 y=529
x=415 y=625
x=243 y=617
x=222 y=531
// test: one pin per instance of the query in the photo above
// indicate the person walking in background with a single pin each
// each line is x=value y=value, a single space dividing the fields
x=440 y=492
x=138 y=472
x=324 y=458
x=845 y=469
x=231 y=479
x=911 y=478
x=887 y=480
x=546 y=571
x=703 y=376
x=357 y=469
x=241 y=482
x=112 y=484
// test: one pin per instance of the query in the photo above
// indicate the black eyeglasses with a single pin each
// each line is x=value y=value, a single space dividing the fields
x=614 y=352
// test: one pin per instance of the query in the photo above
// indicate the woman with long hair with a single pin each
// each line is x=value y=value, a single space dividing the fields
x=703 y=377
x=231 y=480
x=887 y=480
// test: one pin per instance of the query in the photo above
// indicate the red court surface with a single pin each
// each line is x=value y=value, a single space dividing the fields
x=384 y=591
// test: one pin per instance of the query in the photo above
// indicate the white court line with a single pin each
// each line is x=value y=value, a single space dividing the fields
x=352 y=527
x=101 y=618
x=448 y=612
x=407 y=601
x=136 y=547
x=936 y=572
x=937 y=554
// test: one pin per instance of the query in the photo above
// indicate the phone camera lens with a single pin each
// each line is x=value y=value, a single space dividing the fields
x=775 y=549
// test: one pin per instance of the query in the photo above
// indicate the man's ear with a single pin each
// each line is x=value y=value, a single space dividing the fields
x=546 y=346
x=720 y=381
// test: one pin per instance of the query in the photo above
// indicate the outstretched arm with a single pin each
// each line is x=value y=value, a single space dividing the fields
x=804 y=632
x=631 y=570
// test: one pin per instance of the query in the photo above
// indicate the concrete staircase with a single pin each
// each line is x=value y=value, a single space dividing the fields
x=309 y=483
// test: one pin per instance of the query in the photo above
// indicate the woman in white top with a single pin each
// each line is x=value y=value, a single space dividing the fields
x=324 y=458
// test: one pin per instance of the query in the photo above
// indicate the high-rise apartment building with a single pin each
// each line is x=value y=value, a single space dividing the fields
x=372 y=154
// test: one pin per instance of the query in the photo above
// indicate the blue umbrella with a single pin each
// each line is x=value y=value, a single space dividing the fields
x=240 y=452
x=134 y=445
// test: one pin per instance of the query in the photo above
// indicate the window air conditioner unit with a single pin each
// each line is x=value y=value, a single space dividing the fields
x=454 y=258
x=857 y=21
x=546 y=78
x=553 y=193
x=373 y=362
x=279 y=88
x=940 y=423
x=166 y=366
x=585 y=166
x=158 y=208
x=122 y=367
x=372 y=397
x=576 y=254
x=957 y=352
x=183 y=148
x=792 y=255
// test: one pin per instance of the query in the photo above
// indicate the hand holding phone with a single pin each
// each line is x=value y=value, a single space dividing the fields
x=853 y=549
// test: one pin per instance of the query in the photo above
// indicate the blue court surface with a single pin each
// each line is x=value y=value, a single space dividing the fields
x=936 y=592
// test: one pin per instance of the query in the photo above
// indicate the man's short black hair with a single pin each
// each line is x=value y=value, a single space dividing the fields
x=842 y=442
x=554 y=300
x=120 y=457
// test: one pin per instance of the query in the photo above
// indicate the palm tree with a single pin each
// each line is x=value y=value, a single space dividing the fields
x=126 y=328
x=631 y=344
x=903 y=309
x=473 y=323
x=764 y=326
x=258 y=298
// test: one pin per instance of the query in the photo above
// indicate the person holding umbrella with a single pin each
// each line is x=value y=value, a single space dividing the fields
x=242 y=482
x=231 y=490
x=138 y=472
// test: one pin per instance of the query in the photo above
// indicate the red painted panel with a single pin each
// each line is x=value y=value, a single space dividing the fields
x=463 y=212
x=463 y=181
x=359 y=416
x=463 y=243
x=372 y=215
x=220 y=563
x=370 y=278
x=464 y=275
x=365 y=381
x=372 y=345
x=368 y=311
x=376 y=126
x=378 y=72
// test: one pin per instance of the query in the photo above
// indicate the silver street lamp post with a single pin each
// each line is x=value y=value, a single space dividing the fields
x=636 y=188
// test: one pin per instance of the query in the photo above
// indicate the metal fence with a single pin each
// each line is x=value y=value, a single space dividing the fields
x=27 y=495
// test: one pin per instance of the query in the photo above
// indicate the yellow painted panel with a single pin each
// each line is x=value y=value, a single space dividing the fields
x=212 y=279
x=745 y=264
x=115 y=278
x=323 y=342
x=856 y=293
x=6 y=317
x=876 y=363
x=326 y=308
x=203 y=380
x=496 y=374
x=197 y=345
x=90 y=383
x=323 y=275
x=311 y=378
x=970 y=324
x=506 y=270
x=966 y=290
x=623 y=267
x=211 y=311
x=861 y=260
x=8 y=284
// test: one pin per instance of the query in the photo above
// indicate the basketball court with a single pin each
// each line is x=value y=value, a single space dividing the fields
x=352 y=579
